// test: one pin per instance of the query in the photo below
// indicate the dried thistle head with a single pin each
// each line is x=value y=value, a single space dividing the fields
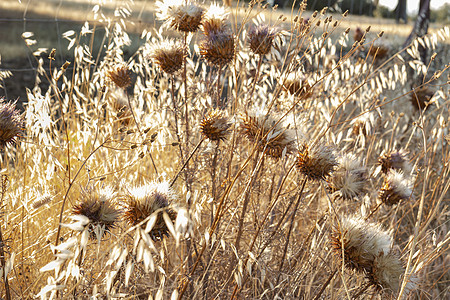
x=359 y=34
x=99 y=206
x=379 y=50
x=120 y=76
x=215 y=126
x=118 y=105
x=218 y=48
x=387 y=274
x=184 y=16
x=349 y=180
x=395 y=188
x=169 y=55
x=316 y=162
x=358 y=242
x=261 y=129
x=261 y=38
x=296 y=84
x=420 y=97
x=395 y=160
x=10 y=123
x=214 y=20
x=142 y=201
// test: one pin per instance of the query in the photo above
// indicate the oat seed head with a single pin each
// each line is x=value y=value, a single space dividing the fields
x=395 y=188
x=215 y=126
x=169 y=55
x=257 y=127
x=180 y=15
x=11 y=123
x=142 y=201
x=296 y=84
x=316 y=162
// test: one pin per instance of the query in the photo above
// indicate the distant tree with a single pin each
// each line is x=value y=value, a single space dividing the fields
x=400 y=11
x=421 y=28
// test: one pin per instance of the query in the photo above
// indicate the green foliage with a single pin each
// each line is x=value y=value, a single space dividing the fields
x=441 y=15
x=383 y=12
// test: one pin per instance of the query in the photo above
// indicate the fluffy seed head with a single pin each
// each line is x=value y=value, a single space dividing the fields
x=259 y=128
x=261 y=38
x=380 y=50
x=99 y=206
x=10 y=123
x=215 y=126
x=360 y=242
x=395 y=188
x=214 y=20
x=218 y=48
x=182 y=16
x=169 y=55
x=387 y=274
x=41 y=200
x=349 y=180
x=396 y=160
x=142 y=201
x=120 y=76
x=420 y=97
x=296 y=84
x=316 y=162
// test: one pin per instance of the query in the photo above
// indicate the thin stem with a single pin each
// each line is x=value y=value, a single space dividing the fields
x=186 y=162
x=186 y=113
x=218 y=104
x=361 y=291
x=4 y=180
x=255 y=80
x=324 y=286
x=175 y=112
x=280 y=268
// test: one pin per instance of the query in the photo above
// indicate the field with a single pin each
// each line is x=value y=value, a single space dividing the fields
x=201 y=152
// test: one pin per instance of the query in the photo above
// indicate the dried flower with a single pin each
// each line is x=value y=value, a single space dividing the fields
x=218 y=48
x=316 y=162
x=379 y=51
x=143 y=201
x=261 y=129
x=41 y=200
x=261 y=38
x=397 y=160
x=120 y=76
x=169 y=55
x=180 y=15
x=10 y=123
x=359 y=242
x=359 y=34
x=215 y=126
x=420 y=97
x=214 y=20
x=395 y=188
x=387 y=274
x=99 y=206
x=296 y=84
x=349 y=180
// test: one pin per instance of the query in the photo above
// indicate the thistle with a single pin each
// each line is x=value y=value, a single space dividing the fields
x=142 y=201
x=99 y=206
x=261 y=39
x=395 y=188
x=120 y=76
x=420 y=97
x=349 y=180
x=358 y=243
x=169 y=55
x=10 y=123
x=397 y=160
x=218 y=48
x=215 y=126
x=214 y=20
x=271 y=138
x=296 y=84
x=316 y=162
x=184 y=16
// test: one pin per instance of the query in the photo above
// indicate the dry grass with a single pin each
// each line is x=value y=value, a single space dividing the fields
x=217 y=182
